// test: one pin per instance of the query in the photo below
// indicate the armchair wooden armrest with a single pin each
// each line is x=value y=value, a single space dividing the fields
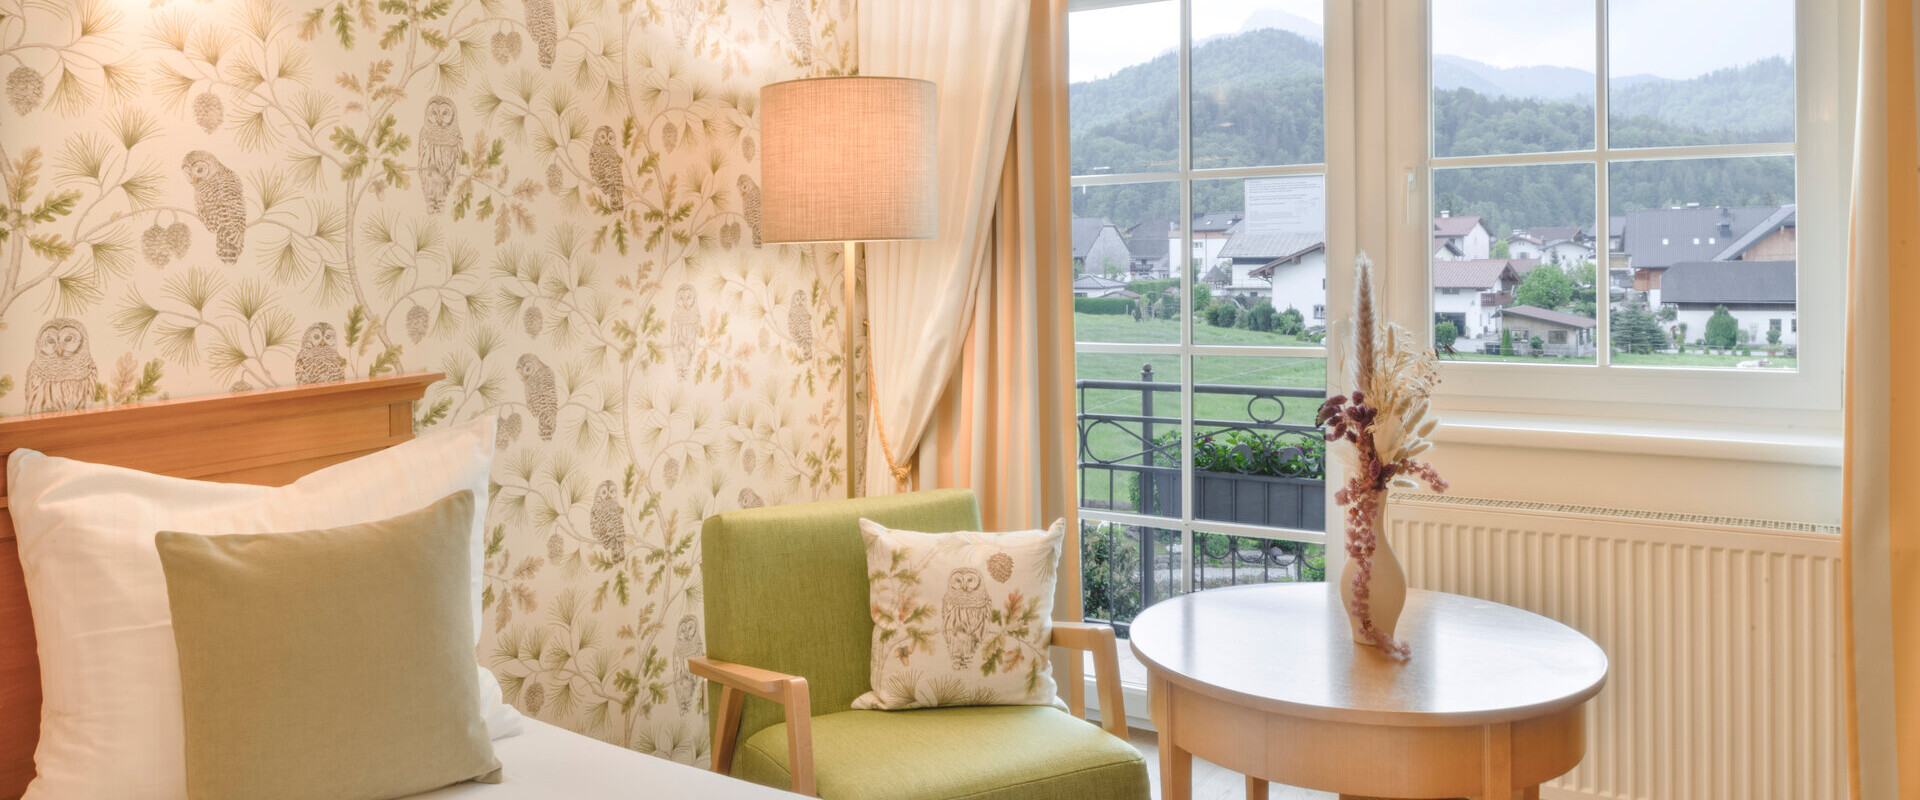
x=790 y=691
x=1099 y=640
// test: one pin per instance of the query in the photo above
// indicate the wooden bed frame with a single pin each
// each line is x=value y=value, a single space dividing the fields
x=268 y=437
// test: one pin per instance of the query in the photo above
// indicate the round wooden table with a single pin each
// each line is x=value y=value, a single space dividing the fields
x=1266 y=681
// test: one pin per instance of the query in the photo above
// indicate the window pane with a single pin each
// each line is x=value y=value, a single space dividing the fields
x=1257 y=83
x=1223 y=560
x=1259 y=259
x=1125 y=568
x=1705 y=261
x=1512 y=76
x=1513 y=263
x=1120 y=240
x=1703 y=72
x=1129 y=432
x=1124 y=99
x=1258 y=457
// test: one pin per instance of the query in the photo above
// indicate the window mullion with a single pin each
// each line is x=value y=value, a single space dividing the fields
x=1186 y=296
x=1603 y=242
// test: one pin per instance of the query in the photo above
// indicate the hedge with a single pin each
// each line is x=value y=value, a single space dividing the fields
x=1112 y=306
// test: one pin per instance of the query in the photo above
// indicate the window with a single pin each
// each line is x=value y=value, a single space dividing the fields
x=1557 y=337
x=1200 y=122
x=1695 y=158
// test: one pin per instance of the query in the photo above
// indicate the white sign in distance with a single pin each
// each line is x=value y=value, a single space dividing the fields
x=1287 y=204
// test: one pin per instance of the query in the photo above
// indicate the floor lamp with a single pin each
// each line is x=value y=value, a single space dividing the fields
x=848 y=160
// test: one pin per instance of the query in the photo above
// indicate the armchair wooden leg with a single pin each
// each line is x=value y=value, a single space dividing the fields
x=726 y=728
x=1256 y=788
x=800 y=736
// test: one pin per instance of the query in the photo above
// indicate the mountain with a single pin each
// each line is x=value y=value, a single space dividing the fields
x=1281 y=20
x=1258 y=99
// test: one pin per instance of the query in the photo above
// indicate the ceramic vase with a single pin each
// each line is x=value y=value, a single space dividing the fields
x=1388 y=583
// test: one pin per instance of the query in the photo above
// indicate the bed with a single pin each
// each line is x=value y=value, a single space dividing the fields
x=271 y=437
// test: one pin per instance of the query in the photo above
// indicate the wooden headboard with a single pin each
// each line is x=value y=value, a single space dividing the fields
x=267 y=437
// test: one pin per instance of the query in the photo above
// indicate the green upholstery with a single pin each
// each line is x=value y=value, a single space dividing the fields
x=986 y=753
x=786 y=590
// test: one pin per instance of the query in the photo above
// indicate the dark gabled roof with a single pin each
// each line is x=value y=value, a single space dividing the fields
x=1145 y=244
x=1783 y=218
x=1452 y=227
x=1217 y=222
x=1551 y=233
x=1085 y=231
x=1097 y=282
x=1479 y=273
x=1218 y=276
x=1269 y=246
x=1662 y=237
x=1446 y=244
x=1729 y=282
x=1560 y=318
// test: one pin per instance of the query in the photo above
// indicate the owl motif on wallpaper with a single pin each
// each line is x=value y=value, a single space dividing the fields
x=608 y=521
x=218 y=200
x=685 y=328
x=319 y=360
x=800 y=325
x=607 y=167
x=543 y=400
x=687 y=644
x=440 y=148
x=963 y=615
x=62 y=376
x=750 y=206
x=543 y=29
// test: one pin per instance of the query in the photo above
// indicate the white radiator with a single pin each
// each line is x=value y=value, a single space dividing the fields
x=1724 y=636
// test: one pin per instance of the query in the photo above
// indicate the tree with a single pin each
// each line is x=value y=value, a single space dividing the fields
x=1202 y=297
x=1445 y=334
x=1261 y=318
x=1635 y=331
x=1109 y=267
x=1223 y=315
x=1722 y=329
x=1506 y=343
x=1539 y=346
x=1547 y=286
x=1501 y=249
x=1290 y=322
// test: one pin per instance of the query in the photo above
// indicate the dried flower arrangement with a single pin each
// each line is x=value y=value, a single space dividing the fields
x=1386 y=423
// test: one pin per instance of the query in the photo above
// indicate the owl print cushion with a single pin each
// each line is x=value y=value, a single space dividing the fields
x=961 y=618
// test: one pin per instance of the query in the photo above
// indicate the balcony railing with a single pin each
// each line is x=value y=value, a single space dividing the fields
x=1264 y=469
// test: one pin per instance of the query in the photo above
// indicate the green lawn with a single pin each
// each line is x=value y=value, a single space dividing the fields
x=1123 y=329
x=1117 y=439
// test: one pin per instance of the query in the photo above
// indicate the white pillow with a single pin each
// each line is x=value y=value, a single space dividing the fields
x=961 y=618
x=110 y=724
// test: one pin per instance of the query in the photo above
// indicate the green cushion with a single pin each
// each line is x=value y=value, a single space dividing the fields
x=786 y=589
x=329 y=665
x=978 y=753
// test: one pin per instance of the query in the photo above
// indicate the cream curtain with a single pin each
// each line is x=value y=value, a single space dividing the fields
x=1881 y=518
x=921 y=296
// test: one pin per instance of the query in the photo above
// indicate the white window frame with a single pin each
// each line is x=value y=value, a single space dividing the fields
x=1336 y=81
x=1808 y=399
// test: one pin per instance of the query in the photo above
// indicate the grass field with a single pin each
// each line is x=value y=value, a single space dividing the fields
x=1124 y=330
x=1112 y=440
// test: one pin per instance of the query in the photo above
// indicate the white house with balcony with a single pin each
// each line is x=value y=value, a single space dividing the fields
x=1469 y=293
x=1285 y=269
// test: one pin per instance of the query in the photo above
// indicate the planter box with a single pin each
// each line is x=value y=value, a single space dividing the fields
x=1299 y=503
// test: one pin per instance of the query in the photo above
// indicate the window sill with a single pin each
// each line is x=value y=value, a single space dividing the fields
x=1809 y=446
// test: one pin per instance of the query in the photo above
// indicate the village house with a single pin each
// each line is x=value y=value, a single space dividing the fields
x=1469 y=236
x=1098 y=248
x=1655 y=239
x=1561 y=334
x=1564 y=245
x=1286 y=269
x=1468 y=292
x=1759 y=294
x=1098 y=286
x=1149 y=245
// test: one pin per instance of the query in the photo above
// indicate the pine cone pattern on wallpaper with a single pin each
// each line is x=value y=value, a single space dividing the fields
x=507 y=431
x=156 y=246
x=556 y=180
x=750 y=206
x=25 y=87
x=543 y=28
x=207 y=109
x=800 y=26
x=729 y=235
x=747 y=147
x=800 y=325
x=533 y=697
x=556 y=548
x=180 y=238
x=505 y=46
x=532 y=320
x=417 y=320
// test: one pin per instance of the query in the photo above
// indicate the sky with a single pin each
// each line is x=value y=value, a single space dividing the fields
x=1654 y=37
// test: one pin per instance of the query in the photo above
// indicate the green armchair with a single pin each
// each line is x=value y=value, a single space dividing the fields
x=788 y=637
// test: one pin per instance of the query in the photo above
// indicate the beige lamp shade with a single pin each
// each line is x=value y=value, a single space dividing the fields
x=848 y=159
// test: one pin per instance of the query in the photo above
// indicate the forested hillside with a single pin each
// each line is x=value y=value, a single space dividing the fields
x=1258 y=101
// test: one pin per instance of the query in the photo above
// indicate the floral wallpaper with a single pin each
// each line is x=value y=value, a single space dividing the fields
x=554 y=202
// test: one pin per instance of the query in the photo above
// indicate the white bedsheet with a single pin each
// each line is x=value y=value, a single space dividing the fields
x=550 y=763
